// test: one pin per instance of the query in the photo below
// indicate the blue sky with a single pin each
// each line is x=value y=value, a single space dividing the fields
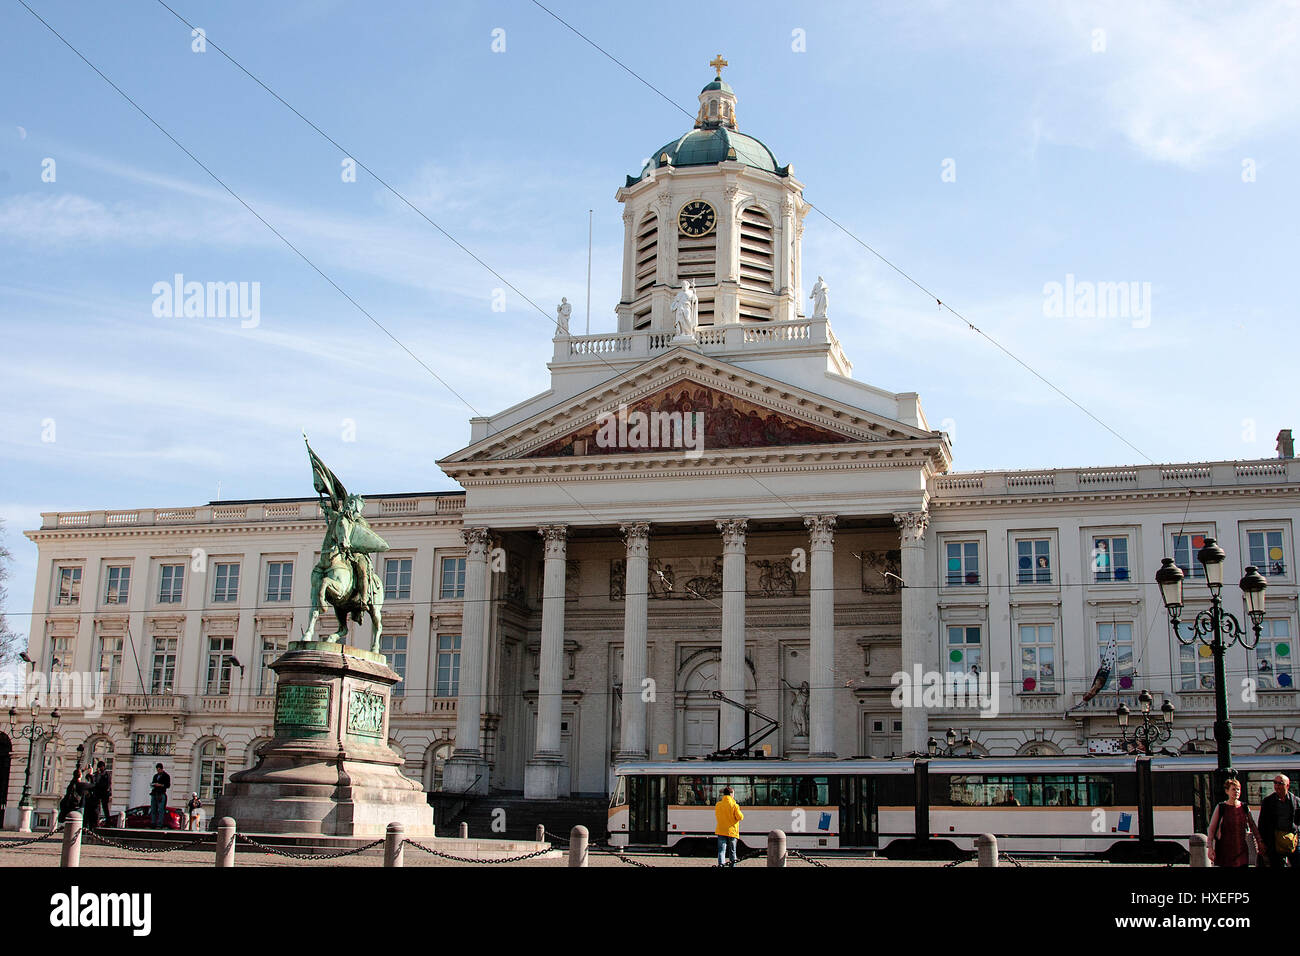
x=1161 y=150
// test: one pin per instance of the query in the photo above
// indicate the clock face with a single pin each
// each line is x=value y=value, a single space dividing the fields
x=696 y=218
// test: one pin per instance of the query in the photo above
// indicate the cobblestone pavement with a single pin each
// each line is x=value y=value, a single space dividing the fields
x=47 y=855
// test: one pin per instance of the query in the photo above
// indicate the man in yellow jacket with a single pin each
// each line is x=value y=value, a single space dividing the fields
x=728 y=830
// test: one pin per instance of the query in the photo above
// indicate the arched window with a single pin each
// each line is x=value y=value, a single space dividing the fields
x=1039 y=748
x=212 y=770
x=434 y=760
x=97 y=749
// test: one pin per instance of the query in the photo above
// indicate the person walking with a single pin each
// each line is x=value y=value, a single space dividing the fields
x=728 y=829
x=87 y=802
x=158 y=797
x=103 y=791
x=1231 y=829
x=1279 y=822
x=71 y=797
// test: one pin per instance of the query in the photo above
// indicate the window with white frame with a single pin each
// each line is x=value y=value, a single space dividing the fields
x=225 y=583
x=1195 y=666
x=61 y=651
x=212 y=770
x=1266 y=552
x=1033 y=561
x=220 y=651
x=69 y=592
x=110 y=663
x=453 y=579
x=1274 y=656
x=397 y=579
x=118 y=587
x=447 y=683
x=963 y=563
x=47 y=758
x=1186 y=547
x=279 y=580
x=163 y=678
x=393 y=647
x=273 y=645
x=1110 y=560
x=965 y=650
x=1037 y=658
x=1125 y=669
x=171 y=583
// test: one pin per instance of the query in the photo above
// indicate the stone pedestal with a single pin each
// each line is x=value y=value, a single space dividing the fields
x=546 y=777
x=329 y=770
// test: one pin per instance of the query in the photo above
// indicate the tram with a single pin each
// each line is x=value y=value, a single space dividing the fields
x=1059 y=806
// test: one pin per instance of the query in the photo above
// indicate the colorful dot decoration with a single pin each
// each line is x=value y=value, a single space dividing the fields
x=1126 y=682
x=954 y=656
x=1030 y=683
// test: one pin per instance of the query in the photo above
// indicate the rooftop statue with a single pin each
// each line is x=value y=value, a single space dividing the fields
x=344 y=577
x=684 y=306
x=820 y=296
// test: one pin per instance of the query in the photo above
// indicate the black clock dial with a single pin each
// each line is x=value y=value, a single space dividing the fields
x=696 y=218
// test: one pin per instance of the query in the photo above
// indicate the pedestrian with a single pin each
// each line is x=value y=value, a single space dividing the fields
x=1231 y=829
x=1279 y=822
x=728 y=829
x=103 y=790
x=158 y=798
x=71 y=796
x=195 y=808
x=87 y=802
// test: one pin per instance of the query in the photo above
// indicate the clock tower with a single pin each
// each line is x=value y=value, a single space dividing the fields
x=713 y=207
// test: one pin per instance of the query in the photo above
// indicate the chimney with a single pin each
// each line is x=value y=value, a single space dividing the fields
x=1285 y=444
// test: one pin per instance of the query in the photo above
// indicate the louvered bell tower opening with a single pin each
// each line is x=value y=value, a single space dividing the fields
x=647 y=249
x=757 y=264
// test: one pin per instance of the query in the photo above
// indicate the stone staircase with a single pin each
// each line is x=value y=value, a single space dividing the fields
x=521 y=817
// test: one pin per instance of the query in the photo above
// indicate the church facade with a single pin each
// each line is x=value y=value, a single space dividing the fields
x=704 y=522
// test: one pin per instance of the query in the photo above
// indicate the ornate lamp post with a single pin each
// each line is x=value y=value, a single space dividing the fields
x=951 y=750
x=33 y=731
x=1151 y=731
x=1217 y=629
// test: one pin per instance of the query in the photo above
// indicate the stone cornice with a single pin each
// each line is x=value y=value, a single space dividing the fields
x=1137 y=494
x=310 y=527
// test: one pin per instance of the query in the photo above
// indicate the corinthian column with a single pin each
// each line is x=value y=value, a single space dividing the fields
x=637 y=538
x=821 y=636
x=542 y=773
x=466 y=770
x=916 y=635
x=732 y=681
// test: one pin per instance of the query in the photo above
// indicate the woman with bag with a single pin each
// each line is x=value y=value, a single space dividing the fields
x=1232 y=830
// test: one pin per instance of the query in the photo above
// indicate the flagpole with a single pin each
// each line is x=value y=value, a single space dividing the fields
x=589 y=215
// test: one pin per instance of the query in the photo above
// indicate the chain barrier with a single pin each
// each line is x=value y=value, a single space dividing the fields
x=807 y=859
x=18 y=844
x=98 y=838
x=1010 y=859
x=464 y=859
x=278 y=851
x=593 y=845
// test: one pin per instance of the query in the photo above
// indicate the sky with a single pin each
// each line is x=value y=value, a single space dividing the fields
x=999 y=154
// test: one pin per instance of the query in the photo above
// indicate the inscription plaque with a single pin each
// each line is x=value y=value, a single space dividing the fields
x=302 y=706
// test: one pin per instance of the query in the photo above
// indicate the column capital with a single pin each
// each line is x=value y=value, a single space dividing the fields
x=555 y=537
x=733 y=533
x=821 y=530
x=636 y=536
x=911 y=526
x=478 y=541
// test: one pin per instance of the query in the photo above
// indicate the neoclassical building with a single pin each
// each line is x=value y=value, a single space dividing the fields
x=705 y=501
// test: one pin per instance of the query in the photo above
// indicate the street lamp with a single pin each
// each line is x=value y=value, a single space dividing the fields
x=33 y=731
x=1152 y=730
x=932 y=745
x=1216 y=628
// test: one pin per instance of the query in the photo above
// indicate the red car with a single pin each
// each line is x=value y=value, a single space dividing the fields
x=138 y=818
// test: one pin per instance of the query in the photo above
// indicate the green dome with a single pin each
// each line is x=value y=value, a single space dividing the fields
x=706 y=147
x=719 y=84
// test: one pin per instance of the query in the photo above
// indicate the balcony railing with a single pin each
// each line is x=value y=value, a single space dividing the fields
x=980 y=484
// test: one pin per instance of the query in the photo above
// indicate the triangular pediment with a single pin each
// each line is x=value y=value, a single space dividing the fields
x=735 y=409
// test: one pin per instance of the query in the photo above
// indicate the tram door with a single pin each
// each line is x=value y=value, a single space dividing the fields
x=858 y=811
x=647 y=810
x=1203 y=801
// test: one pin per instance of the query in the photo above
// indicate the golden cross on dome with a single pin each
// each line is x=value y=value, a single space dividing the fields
x=718 y=63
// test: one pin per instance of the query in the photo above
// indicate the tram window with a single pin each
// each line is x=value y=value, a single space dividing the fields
x=620 y=793
x=693 y=792
x=1021 y=790
x=774 y=791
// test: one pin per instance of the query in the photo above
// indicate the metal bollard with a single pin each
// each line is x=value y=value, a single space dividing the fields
x=541 y=833
x=578 y=846
x=986 y=844
x=71 y=855
x=464 y=831
x=226 y=841
x=395 y=845
x=1199 y=849
x=776 y=848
